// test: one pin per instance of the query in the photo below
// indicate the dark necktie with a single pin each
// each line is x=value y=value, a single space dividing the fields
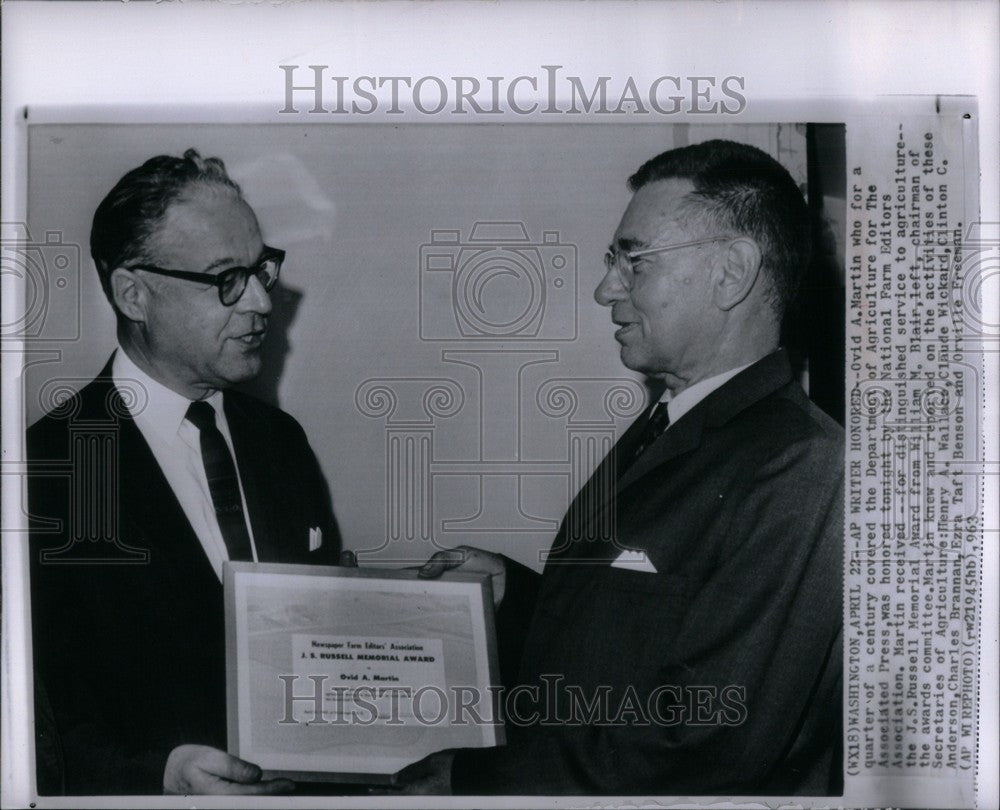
x=222 y=481
x=659 y=421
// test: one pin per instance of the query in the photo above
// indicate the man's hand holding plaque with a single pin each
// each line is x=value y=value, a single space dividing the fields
x=201 y=769
x=469 y=560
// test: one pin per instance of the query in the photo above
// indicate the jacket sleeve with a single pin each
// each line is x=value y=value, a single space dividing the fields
x=77 y=750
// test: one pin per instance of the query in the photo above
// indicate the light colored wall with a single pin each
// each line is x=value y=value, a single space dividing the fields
x=482 y=426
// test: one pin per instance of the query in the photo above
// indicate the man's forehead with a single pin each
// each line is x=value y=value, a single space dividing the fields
x=207 y=225
x=654 y=209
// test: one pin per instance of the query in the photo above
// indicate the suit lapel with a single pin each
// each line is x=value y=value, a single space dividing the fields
x=602 y=524
x=151 y=511
x=748 y=387
x=585 y=528
x=679 y=438
x=248 y=440
x=596 y=493
x=593 y=513
x=149 y=516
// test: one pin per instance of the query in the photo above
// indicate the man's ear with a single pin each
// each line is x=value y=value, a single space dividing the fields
x=741 y=264
x=130 y=294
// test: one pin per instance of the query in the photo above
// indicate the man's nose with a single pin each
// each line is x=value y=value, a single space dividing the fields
x=255 y=298
x=610 y=289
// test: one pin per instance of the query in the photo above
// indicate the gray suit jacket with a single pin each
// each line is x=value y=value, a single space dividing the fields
x=731 y=650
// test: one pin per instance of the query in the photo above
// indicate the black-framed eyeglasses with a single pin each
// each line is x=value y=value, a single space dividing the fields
x=622 y=262
x=231 y=282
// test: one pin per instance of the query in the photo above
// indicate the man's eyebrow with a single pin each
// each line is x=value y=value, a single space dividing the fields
x=229 y=261
x=626 y=244
x=226 y=261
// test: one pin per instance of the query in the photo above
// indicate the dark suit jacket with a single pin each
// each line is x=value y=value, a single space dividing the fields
x=739 y=506
x=127 y=613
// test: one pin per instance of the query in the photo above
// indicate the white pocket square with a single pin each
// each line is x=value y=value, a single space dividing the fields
x=315 y=538
x=634 y=561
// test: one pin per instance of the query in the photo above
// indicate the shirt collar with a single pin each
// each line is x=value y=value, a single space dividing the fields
x=161 y=411
x=679 y=405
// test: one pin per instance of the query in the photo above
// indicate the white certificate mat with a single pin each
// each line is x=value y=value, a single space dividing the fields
x=347 y=674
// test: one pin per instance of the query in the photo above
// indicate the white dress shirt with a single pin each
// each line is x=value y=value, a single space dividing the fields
x=176 y=447
x=679 y=405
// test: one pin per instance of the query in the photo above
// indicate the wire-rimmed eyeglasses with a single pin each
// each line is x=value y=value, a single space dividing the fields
x=231 y=282
x=622 y=261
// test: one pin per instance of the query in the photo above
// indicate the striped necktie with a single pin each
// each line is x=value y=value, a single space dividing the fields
x=222 y=481
x=659 y=421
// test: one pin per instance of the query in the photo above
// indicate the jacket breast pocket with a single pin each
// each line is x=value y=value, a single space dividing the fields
x=671 y=588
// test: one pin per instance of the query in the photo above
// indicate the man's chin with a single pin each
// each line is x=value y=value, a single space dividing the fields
x=244 y=370
x=632 y=360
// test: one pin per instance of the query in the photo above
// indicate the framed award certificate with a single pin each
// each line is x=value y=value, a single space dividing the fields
x=350 y=674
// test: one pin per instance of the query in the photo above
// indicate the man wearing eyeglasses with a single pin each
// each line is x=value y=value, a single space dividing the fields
x=684 y=637
x=127 y=608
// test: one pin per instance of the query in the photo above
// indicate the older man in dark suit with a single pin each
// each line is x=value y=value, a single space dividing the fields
x=171 y=474
x=696 y=647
